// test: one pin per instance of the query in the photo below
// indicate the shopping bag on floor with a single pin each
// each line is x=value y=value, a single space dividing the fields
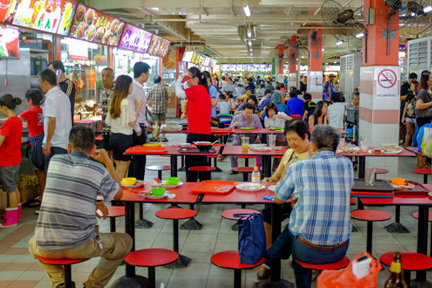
x=346 y=278
x=252 y=239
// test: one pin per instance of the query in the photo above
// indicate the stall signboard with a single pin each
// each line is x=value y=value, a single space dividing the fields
x=67 y=17
x=7 y=10
x=207 y=61
x=163 y=51
x=187 y=56
x=135 y=39
x=155 y=45
x=94 y=26
x=42 y=15
x=78 y=51
x=262 y=68
x=195 y=57
x=9 y=42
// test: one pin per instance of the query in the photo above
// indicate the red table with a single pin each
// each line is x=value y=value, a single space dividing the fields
x=257 y=131
x=266 y=156
x=415 y=151
x=173 y=152
x=132 y=196
x=362 y=157
x=423 y=203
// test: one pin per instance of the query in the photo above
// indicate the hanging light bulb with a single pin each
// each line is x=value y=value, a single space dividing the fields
x=246 y=9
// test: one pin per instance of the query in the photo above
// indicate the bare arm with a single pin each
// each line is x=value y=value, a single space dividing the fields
x=50 y=134
x=311 y=121
x=2 y=138
x=404 y=113
x=420 y=105
x=102 y=156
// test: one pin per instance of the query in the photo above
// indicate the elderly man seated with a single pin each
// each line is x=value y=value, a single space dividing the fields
x=66 y=226
x=319 y=225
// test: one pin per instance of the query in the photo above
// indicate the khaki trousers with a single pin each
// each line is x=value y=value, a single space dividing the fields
x=115 y=247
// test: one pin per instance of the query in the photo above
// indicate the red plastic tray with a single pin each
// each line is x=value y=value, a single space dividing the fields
x=147 y=150
x=419 y=189
x=214 y=187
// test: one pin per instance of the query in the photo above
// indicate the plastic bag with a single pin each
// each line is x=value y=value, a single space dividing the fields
x=345 y=278
x=252 y=239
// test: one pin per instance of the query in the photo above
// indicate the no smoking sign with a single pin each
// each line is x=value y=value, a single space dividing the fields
x=387 y=78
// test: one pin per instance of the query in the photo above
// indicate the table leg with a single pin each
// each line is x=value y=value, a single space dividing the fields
x=266 y=165
x=173 y=160
x=276 y=228
x=362 y=165
x=422 y=237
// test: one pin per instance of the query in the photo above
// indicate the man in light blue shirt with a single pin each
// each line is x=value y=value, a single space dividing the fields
x=319 y=225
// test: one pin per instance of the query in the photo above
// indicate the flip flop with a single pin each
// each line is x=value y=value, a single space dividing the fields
x=35 y=203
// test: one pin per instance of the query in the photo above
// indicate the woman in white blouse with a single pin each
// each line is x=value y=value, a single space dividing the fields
x=122 y=116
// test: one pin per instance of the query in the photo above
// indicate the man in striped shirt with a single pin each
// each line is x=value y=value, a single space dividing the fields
x=66 y=226
x=319 y=225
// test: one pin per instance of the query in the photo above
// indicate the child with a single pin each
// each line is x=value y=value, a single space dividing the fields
x=10 y=157
x=35 y=125
x=223 y=105
x=308 y=106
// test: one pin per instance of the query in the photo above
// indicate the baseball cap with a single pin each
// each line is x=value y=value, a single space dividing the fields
x=185 y=78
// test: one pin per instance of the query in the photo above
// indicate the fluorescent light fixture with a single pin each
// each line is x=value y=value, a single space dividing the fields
x=427 y=9
x=326 y=63
x=322 y=49
x=251 y=54
x=249 y=33
x=335 y=62
x=251 y=49
x=338 y=43
x=250 y=43
x=246 y=10
x=360 y=35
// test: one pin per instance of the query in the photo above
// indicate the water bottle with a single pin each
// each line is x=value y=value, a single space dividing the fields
x=256 y=177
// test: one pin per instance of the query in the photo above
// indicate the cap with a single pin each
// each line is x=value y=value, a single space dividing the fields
x=185 y=78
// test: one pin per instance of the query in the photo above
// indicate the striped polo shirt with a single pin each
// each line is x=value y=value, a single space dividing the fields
x=67 y=216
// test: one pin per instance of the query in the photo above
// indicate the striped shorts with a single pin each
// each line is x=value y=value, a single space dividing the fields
x=38 y=158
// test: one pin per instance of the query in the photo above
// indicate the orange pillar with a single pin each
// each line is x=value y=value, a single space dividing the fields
x=379 y=85
x=292 y=63
x=315 y=73
x=280 y=59
x=110 y=57
x=57 y=48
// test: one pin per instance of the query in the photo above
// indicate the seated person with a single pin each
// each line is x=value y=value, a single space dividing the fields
x=245 y=96
x=277 y=119
x=245 y=119
x=224 y=108
x=252 y=100
x=308 y=106
x=320 y=115
x=320 y=222
x=295 y=104
x=277 y=99
x=63 y=230
x=336 y=111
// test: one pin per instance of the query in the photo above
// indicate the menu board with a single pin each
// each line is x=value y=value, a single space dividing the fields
x=187 y=56
x=195 y=57
x=135 y=39
x=92 y=25
x=243 y=67
x=67 y=17
x=7 y=10
x=155 y=45
x=9 y=42
x=164 y=47
x=43 y=15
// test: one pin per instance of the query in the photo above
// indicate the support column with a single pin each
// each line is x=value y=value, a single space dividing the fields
x=379 y=90
x=110 y=57
x=292 y=63
x=315 y=73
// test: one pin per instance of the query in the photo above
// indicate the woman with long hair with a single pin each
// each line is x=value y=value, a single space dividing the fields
x=320 y=115
x=122 y=116
x=424 y=102
x=198 y=113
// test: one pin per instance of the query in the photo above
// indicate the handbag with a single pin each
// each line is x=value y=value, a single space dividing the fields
x=252 y=239
x=345 y=278
x=427 y=136
x=424 y=113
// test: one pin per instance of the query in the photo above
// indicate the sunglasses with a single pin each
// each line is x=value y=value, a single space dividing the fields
x=425 y=73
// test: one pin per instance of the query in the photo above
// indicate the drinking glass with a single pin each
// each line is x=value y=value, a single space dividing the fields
x=245 y=144
x=271 y=140
x=370 y=177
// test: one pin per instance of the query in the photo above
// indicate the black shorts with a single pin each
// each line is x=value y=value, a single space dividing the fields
x=119 y=144
x=106 y=141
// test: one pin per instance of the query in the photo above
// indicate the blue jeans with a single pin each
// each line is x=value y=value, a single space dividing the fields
x=287 y=244
x=54 y=151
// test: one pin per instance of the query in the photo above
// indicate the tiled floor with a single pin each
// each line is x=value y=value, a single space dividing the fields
x=19 y=270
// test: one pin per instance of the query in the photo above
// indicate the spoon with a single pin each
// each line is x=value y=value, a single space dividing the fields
x=158 y=181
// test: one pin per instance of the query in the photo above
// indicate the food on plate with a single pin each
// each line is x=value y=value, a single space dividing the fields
x=90 y=32
x=120 y=29
x=90 y=16
x=398 y=181
x=106 y=36
x=79 y=14
x=81 y=30
x=114 y=25
x=99 y=34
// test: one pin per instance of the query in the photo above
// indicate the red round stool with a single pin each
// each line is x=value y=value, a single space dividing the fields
x=231 y=260
x=201 y=170
x=410 y=262
x=328 y=266
x=246 y=157
x=215 y=158
x=245 y=171
x=416 y=215
x=229 y=214
x=370 y=216
x=151 y=258
x=113 y=212
x=352 y=201
x=425 y=172
x=67 y=263
x=159 y=169
x=176 y=214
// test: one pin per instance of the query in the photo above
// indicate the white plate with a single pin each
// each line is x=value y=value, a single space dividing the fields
x=147 y=194
x=272 y=188
x=250 y=187
x=403 y=187
x=261 y=149
x=171 y=186
x=392 y=151
x=137 y=184
x=257 y=145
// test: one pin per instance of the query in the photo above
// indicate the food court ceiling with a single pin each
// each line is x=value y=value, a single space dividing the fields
x=221 y=25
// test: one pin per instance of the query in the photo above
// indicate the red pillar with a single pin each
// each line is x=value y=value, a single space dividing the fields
x=280 y=58
x=292 y=63
x=315 y=73
x=110 y=57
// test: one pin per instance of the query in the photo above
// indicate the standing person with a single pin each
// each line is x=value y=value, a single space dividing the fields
x=355 y=99
x=228 y=87
x=408 y=116
x=308 y=106
x=320 y=115
x=295 y=104
x=122 y=117
x=105 y=96
x=10 y=158
x=424 y=98
x=329 y=87
x=320 y=223
x=303 y=84
x=67 y=224
x=141 y=72
x=405 y=89
x=57 y=115
x=213 y=92
x=198 y=112
x=35 y=124
x=336 y=111
x=66 y=85
x=158 y=98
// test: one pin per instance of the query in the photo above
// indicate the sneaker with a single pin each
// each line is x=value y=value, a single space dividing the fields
x=263 y=274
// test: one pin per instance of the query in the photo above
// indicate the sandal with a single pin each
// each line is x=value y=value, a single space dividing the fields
x=233 y=172
x=35 y=203
x=163 y=139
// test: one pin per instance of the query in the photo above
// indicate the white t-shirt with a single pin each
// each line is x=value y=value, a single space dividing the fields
x=336 y=113
x=127 y=115
x=57 y=105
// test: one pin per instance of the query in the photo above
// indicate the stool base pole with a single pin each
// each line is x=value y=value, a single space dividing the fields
x=67 y=276
x=152 y=277
x=237 y=278
x=369 y=237
x=112 y=225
